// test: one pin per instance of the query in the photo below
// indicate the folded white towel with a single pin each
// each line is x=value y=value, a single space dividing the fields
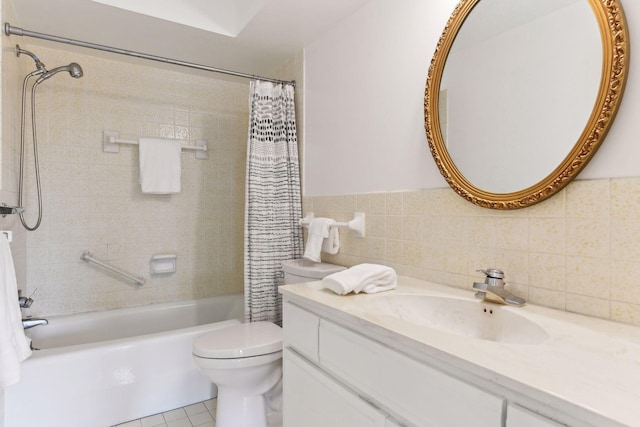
x=331 y=244
x=14 y=345
x=318 y=231
x=367 y=278
x=160 y=169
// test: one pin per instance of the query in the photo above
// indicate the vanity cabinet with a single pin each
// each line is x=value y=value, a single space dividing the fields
x=376 y=350
x=333 y=374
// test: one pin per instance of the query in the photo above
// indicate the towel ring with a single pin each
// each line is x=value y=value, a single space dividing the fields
x=356 y=225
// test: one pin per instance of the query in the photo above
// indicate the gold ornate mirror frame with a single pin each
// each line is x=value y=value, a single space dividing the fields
x=615 y=43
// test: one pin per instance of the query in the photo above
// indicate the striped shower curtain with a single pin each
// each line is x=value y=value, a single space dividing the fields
x=273 y=202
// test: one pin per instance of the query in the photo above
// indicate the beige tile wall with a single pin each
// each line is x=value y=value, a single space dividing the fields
x=578 y=251
x=92 y=199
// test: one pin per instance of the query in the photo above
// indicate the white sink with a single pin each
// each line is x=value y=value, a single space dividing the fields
x=469 y=318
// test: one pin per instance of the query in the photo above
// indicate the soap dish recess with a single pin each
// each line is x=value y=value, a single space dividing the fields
x=163 y=264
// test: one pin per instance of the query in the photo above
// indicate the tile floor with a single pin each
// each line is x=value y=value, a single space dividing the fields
x=201 y=414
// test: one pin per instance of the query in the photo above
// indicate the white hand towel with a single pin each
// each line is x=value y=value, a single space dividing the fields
x=318 y=231
x=331 y=244
x=160 y=169
x=367 y=278
x=14 y=345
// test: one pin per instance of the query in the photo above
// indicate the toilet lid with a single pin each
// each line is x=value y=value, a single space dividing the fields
x=243 y=340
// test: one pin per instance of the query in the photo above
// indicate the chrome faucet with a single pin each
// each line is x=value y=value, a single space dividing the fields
x=30 y=322
x=26 y=302
x=493 y=289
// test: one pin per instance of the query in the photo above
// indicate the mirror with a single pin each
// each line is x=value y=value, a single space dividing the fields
x=521 y=93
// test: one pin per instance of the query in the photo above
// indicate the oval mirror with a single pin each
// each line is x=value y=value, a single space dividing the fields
x=521 y=93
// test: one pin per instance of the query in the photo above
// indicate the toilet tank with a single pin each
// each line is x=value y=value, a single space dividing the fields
x=300 y=270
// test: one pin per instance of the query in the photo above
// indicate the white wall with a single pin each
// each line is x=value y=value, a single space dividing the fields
x=364 y=88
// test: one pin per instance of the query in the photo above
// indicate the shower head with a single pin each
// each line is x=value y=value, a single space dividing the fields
x=39 y=63
x=74 y=70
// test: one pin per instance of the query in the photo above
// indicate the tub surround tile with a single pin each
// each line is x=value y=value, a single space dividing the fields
x=86 y=189
x=576 y=251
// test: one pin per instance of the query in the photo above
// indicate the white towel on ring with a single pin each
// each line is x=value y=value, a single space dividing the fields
x=14 y=345
x=367 y=278
x=331 y=244
x=318 y=231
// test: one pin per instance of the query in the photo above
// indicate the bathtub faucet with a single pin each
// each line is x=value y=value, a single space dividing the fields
x=30 y=322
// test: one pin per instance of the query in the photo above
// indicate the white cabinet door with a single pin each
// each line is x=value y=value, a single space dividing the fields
x=520 y=417
x=312 y=399
x=421 y=394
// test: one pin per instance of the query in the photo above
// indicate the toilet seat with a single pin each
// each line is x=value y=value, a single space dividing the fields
x=239 y=341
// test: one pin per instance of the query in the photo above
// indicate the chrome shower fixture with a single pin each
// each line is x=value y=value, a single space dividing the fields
x=74 y=70
x=39 y=63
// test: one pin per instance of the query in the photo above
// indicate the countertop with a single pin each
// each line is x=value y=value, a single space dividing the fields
x=586 y=367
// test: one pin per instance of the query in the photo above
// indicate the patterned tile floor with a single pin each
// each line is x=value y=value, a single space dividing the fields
x=201 y=414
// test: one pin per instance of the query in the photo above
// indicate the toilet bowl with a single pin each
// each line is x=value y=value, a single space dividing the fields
x=245 y=362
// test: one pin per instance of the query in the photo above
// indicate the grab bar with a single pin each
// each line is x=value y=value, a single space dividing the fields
x=88 y=256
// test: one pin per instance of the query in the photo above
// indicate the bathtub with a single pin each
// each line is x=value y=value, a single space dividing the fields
x=104 y=368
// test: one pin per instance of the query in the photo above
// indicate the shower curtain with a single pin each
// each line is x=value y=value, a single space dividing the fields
x=273 y=206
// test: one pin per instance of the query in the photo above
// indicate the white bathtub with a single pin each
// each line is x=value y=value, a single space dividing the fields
x=104 y=368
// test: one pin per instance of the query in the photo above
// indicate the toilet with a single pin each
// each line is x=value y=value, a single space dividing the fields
x=245 y=360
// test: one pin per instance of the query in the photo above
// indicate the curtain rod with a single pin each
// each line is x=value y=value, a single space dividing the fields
x=11 y=30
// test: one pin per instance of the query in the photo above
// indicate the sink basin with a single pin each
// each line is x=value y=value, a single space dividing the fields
x=468 y=318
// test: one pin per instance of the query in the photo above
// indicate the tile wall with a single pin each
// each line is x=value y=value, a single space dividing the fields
x=578 y=251
x=92 y=199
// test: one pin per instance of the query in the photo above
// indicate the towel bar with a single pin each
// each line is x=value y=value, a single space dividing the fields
x=356 y=225
x=111 y=144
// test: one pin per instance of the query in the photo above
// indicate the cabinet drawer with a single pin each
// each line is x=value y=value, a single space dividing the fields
x=420 y=394
x=300 y=330
x=312 y=399
x=520 y=417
